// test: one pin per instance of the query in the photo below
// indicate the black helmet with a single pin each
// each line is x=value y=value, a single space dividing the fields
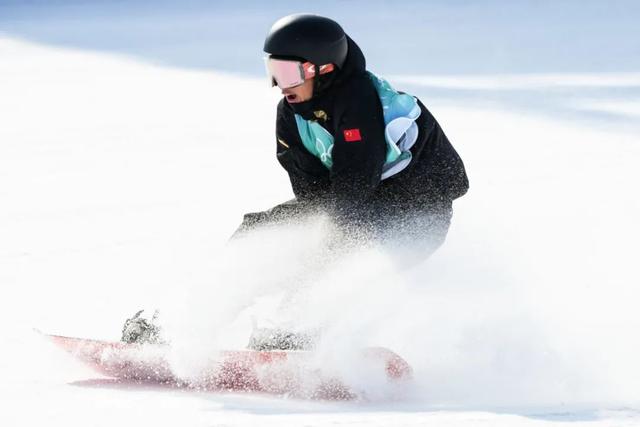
x=314 y=38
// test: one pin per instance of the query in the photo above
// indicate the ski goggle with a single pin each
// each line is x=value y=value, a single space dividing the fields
x=286 y=73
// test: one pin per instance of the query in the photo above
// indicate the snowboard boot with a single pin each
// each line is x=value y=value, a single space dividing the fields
x=139 y=330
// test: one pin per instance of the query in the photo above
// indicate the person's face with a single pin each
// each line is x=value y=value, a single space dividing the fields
x=300 y=93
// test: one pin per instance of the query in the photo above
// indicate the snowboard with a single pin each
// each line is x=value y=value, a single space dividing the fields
x=291 y=373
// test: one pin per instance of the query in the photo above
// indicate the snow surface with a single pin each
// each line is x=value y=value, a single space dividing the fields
x=120 y=182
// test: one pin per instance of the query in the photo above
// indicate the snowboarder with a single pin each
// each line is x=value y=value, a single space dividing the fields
x=372 y=158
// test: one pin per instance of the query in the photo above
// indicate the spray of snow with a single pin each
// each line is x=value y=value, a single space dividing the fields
x=475 y=333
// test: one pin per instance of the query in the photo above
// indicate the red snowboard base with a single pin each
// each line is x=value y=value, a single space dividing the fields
x=293 y=373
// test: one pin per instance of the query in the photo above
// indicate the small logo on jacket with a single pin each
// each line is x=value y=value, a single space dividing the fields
x=352 y=135
x=321 y=115
x=281 y=141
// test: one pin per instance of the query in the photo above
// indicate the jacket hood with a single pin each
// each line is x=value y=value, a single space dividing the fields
x=354 y=64
x=326 y=84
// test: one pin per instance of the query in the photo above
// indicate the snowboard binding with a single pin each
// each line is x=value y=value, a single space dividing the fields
x=139 y=330
x=269 y=339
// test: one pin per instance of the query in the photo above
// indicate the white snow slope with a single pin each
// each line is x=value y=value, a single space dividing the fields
x=120 y=183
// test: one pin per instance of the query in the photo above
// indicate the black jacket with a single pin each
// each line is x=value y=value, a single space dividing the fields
x=347 y=100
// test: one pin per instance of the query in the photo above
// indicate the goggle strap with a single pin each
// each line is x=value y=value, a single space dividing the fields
x=311 y=70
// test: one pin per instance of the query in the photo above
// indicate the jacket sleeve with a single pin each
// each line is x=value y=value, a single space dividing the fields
x=359 y=149
x=438 y=174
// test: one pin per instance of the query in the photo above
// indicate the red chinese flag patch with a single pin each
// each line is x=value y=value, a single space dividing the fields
x=352 y=135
